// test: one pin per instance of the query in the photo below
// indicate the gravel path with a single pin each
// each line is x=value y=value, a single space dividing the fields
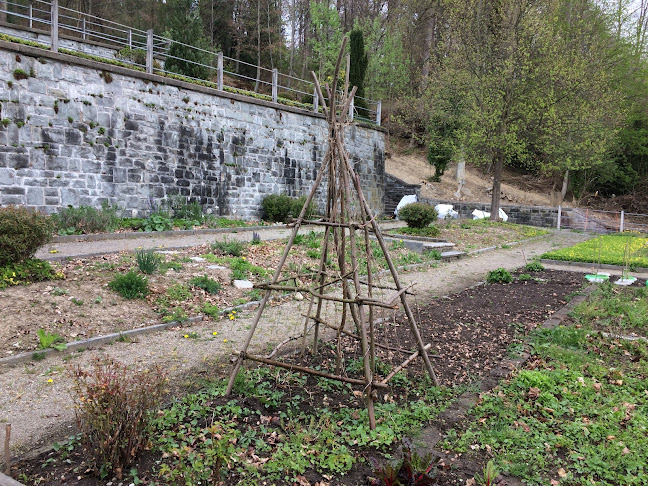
x=40 y=410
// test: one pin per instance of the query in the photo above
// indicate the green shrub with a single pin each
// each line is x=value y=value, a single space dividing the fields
x=86 y=219
x=138 y=56
x=26 y=272
x=158 y=221
x=276 y=207
x=147 y=261
x=417 y=215
x=130 y=285
x=209 y=285
x=136 y=224
x=296 y=206
x=229 y=247
x=22 y=233
x=534 y=266
x=500 y=275
x=183 y=209
x=114 y=409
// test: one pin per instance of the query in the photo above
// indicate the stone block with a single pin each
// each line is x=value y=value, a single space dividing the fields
x=35 y=196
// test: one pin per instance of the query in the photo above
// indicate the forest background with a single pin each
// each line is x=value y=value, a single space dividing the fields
x=556 y=88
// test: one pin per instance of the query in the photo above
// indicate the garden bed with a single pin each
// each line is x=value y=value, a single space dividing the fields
x=469 y=235
x=81 y=305
x=629 y=250
x=288 y=429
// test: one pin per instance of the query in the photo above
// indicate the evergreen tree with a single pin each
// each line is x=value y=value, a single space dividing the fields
x=358 y=68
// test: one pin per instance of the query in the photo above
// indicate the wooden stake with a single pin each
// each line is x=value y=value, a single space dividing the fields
x=7 y=451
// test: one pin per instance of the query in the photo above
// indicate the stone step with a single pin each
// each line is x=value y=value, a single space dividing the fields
x=437 y=245
x=452 y=255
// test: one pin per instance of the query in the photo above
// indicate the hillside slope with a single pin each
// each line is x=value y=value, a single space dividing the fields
x=413 y=168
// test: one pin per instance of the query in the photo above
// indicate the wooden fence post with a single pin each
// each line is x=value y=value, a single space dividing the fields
x=275 y=84
x=351 y=109
x=219 y=72
x=149 y=51
x=54 y=31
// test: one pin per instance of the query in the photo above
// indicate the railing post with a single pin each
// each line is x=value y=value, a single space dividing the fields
x=219 y=72
x=130 y=39
x=621 y=224
x=315 y=100
x=275 y=84
x=83 y=28
x=54 y=26
x=149 y=51
x=378 y=112
x=31 y=14
x=351 y=109
x=559 y=217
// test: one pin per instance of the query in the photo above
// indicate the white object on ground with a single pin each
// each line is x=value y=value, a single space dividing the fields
x=446 y=211
x=478 y=214
x=216 y=267
x=243 y=284
x=404 y=202
x=197 y=259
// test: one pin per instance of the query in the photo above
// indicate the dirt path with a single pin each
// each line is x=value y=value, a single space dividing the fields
x=37 y=401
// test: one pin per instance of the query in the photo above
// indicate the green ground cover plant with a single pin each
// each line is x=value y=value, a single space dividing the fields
x=427 y=232
x=130 y=285
x=617 y=249
x=29 y=271
x=578 y=414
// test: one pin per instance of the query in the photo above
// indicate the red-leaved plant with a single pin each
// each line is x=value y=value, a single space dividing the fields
x=113 y=407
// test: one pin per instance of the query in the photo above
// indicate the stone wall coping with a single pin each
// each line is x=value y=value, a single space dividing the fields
x=156 y=78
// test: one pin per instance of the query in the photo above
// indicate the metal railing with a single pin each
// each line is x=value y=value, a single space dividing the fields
x=598 y=221
x=147 y=51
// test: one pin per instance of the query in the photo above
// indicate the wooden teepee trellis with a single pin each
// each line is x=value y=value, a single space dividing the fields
x=348 y=221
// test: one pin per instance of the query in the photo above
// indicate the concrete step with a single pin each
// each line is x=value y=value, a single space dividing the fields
x=452 y=255
x=437 y=245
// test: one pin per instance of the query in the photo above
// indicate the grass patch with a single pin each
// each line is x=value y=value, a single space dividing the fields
x=607 y=249
x=427 y=232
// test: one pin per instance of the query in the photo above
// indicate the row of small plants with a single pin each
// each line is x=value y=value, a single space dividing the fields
x=275 y=426
x=630 y=250
x=578 y=413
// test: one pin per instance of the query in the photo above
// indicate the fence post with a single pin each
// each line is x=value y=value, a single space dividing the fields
x=275 y=84
x=83 y=29
x=351 y=109
x=54 y=26
x=31 y=14
x=130 y=39
x=219 y=72
x=315 y=100
x=378 y=112
x=621 y=224
x=149 y=51
x=559 y=216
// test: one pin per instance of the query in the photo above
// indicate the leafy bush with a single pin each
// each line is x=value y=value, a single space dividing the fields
x=147 y=261
x=501 y=275
x=417 y=215
x=183 y=209
x=86 y=219
x=26 y=272
x=158 y=221
x=114 y=409
x=276 y=207
x=22 y=233
x=534 y=266
x=229 y=247
x=130 y=285
x=138 y=56
x=209 y=285
x=297 y=204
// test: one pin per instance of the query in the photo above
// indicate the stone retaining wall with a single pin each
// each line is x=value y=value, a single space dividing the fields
x=540 y=216
x=78 y=132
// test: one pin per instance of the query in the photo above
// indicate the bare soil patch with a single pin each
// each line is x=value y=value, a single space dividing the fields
x=471 y=332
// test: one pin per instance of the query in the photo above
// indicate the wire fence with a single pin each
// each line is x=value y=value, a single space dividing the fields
x=598 y=221
x=71 y=31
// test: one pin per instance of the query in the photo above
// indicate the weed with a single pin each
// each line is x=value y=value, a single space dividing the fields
x=59 y=291
x=113 y=407
x=158 y=221
x=489 y=475
x=524 y=277
x=76 y=301
x=178 y=292
x=130 y=285
x=177 y=315
x=36 y=356
x=27 y=272
x=50 y=340
x=147 y=261
x=500 y=275
x=86 y=219
x=19 y=74
x=411 y=470
x=229 y=247
x=209 y=285
x=211 y=310
x=534 y=266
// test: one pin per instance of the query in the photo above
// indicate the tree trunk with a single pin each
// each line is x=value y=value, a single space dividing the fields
x=498 y=162
x=565 y=185
x=428 y=37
